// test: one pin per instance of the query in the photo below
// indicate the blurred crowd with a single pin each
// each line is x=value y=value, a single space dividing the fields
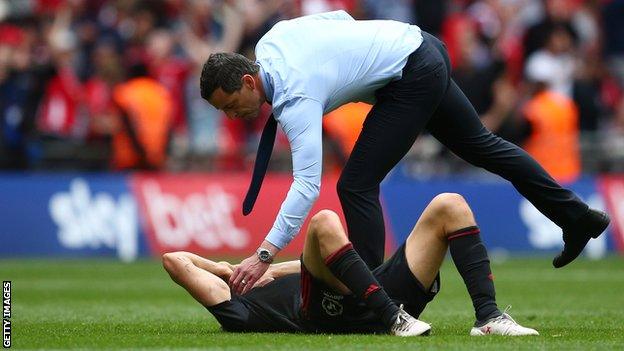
x=114 y=84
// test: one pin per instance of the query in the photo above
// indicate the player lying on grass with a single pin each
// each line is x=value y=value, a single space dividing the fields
x=330 y=290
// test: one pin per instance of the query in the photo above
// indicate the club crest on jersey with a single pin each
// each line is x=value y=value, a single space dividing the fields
x=331 y=303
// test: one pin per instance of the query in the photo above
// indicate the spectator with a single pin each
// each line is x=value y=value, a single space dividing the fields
x=171 y=71
x=554 y=134
x=108 y=72
x=398 y=10
x=483 y=76
x=60 y=114
x=61 y=59
x=205 y=123
x=558 y=15
x=555 y=63
x=343 y=126
x=587 y=92
x=260 y=15
x=475 y=69
x=429 y=15
x=500 y=26
x=613 y=16
x=614 y=141
x=142 y=134
x=16 y=84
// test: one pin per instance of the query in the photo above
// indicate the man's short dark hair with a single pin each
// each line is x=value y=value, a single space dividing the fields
x=225 y=70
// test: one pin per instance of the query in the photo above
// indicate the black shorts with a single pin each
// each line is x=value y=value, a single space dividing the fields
x=271 y=308
x=324 y=310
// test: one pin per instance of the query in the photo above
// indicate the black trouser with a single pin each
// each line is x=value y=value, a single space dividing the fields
x=426 y=97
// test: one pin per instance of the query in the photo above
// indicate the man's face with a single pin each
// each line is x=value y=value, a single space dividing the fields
x=242 y=104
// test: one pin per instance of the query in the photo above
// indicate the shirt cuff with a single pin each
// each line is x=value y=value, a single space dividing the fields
x=278 y=238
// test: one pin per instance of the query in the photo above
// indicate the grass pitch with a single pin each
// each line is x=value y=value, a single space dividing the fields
x=91 y=304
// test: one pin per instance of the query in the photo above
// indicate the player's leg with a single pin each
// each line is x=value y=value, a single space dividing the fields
x=329 y=257
x=402 y=110
x=426 y=246
x=325 y=224
x=448 y=222
x=198 y=276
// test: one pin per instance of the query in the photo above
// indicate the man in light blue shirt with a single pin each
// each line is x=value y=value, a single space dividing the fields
x=309 y=66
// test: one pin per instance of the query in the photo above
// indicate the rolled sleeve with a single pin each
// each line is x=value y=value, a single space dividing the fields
x=301 y=120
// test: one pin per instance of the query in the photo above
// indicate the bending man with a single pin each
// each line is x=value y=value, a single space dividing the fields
x=309 y=66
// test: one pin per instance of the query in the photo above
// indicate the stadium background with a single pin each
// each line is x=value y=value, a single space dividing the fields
x=84 y=176
x=89 y=170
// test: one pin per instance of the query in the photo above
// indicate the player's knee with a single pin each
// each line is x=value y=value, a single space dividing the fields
x=324 y=220
x=325 y=223
x=451 y=206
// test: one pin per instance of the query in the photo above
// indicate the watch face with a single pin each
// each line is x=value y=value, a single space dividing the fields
x=264 y=255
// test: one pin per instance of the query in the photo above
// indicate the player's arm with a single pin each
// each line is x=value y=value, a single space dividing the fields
x=221 y=269
x=224 y=269
x=281 y=269
x=278 y=270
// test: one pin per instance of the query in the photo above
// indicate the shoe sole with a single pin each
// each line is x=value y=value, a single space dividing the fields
x=426 y=331
x=478 y=332
x=606 y=220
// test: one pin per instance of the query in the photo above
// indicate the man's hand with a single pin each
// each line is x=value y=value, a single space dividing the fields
x=247 y=274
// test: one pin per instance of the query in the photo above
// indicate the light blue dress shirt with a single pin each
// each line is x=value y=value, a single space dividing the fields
x=312 y=65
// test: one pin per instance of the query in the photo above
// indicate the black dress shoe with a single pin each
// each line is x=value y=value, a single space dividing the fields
x=590 y=225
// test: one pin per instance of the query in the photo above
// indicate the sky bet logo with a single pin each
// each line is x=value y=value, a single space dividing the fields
x=6 y=314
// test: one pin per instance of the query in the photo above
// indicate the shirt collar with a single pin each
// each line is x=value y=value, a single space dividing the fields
x=267 y=84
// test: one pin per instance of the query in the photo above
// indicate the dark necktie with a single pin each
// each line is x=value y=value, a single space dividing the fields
x=262 y=163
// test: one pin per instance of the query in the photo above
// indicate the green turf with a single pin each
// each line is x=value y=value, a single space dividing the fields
x=104 y=304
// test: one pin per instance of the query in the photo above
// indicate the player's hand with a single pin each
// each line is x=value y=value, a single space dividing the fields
x=247 y=274
x=265 y=279
x=225 y=270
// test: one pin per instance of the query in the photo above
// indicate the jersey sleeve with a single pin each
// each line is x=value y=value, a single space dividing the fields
x=301 y=120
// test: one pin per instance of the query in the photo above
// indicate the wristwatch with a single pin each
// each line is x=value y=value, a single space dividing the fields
x=264 y=255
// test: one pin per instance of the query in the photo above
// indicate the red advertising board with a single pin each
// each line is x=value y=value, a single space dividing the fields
x=202 y=213
x=612 y=188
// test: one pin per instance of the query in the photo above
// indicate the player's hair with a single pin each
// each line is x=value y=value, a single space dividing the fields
x=225 y=70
